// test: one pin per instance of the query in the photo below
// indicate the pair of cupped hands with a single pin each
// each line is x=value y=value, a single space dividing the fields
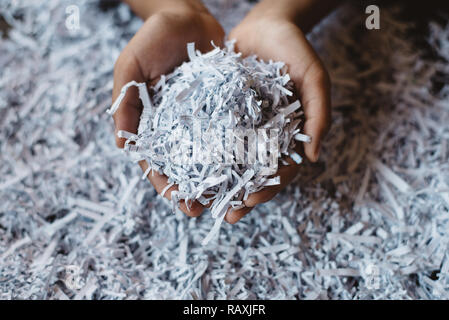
x=160 y=46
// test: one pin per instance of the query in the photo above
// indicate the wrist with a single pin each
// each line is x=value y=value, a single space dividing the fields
x=303 y=13
x=147 y=8
x=285 y=10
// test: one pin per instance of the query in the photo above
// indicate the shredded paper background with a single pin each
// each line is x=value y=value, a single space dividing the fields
x=370 y=220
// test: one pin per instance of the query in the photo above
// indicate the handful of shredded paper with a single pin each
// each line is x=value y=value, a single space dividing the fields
x=370 y=220
x=216 y=127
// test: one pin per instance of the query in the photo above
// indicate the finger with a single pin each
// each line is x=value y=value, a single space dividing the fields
x=286 y=173
x=160 y=182
x=127 y=115
x=314 y=92
x=233 y=216
x=313 y=87
x=318 y=114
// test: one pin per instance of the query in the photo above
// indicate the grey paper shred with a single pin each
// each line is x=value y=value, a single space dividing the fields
x=76 y=221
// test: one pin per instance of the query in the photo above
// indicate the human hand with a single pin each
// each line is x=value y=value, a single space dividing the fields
x=277 y=37
x=156 y=49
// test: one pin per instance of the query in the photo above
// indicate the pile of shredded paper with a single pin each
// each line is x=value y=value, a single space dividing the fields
x=216 y=128
x=369 y=220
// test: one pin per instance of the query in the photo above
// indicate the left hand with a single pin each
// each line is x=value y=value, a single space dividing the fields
x=279 y=39
x=156 y=49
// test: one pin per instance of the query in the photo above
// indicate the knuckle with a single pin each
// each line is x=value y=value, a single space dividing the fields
x=255 y=199
x=251 y=201
x=193 y=210
x=232 y=219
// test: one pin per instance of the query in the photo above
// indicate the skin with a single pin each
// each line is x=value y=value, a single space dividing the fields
x=272 y=30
